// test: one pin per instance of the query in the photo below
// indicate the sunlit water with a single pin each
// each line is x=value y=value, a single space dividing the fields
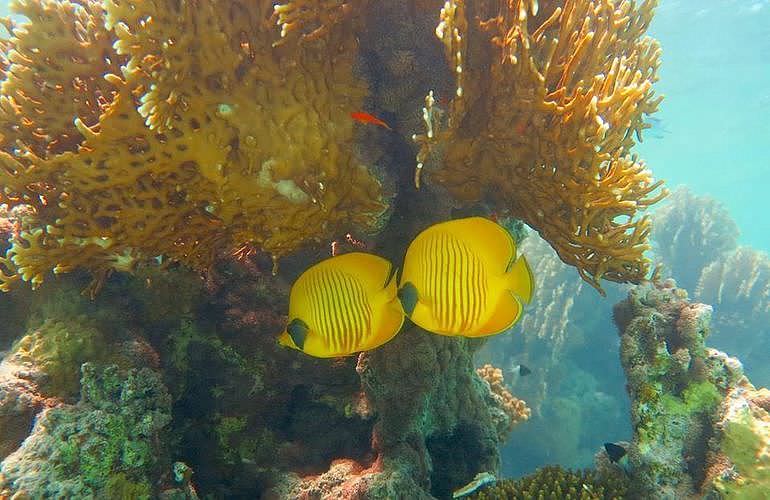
x=714 y=131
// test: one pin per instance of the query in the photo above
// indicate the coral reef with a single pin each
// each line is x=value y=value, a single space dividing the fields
x=52 y=354
x=575 y=390
x=699 y=425
x=555 y=483
x=542 y=123
x=20 y=401
x=107 y=445
x=741 y=466
x=440 y=404
x=689 y=233
x=738 y=286
x=673 y=397
x=137 y=136
x=169 y=154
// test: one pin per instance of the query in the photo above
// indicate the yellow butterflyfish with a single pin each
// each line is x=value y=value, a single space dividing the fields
x=462 y=277
x=343 y=305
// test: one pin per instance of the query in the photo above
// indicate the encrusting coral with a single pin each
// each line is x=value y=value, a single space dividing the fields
x=188 y=145
x=107 y=444
x=699 y=424
x=548 y=98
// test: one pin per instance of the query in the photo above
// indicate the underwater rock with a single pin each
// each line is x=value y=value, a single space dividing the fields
x=739 y=462
x=53 y=352
x=20 y=401
x=696 y=424
x=427 y=402
x=108 y=445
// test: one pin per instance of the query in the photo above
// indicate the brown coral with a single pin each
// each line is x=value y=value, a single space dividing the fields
x=542 y=124
x=197 y=144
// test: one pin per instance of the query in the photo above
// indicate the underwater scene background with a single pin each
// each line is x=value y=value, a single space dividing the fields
x=171 y=171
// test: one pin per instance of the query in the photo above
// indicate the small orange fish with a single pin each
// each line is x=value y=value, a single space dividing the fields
x=362 y=117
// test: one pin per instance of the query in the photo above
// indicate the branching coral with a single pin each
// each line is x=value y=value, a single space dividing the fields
x=197 y=143
x=547 y=102
x=515 y=409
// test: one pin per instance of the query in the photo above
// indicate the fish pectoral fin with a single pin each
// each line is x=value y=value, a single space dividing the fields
x=298 y=331
x=507 y=312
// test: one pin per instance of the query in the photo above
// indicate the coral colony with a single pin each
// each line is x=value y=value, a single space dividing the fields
x=168 y=168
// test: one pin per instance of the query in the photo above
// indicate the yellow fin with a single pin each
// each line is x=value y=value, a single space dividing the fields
x=506 y=313
x=371 y=270
x=519 y=279
x=489 y=240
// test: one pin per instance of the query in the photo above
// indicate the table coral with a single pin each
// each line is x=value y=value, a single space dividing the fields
x=188 y=146
x=542 y=122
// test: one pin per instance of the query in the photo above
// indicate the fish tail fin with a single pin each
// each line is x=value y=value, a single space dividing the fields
x=520 y=280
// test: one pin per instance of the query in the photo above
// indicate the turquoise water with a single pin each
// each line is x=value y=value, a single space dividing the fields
x=714 y=129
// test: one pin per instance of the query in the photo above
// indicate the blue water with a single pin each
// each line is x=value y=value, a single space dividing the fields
x=714 y=130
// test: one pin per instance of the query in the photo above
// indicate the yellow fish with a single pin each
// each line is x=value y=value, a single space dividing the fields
x=343 y=305
x=462 y=277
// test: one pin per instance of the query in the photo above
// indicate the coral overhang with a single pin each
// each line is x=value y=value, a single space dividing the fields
x=133 y=135
x=548 y=98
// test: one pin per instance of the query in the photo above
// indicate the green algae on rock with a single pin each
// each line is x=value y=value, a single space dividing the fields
x=107 y=445
x=56 y=349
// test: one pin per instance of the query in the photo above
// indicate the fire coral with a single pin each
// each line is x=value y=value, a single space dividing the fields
x=548 y=98
x=138 y=129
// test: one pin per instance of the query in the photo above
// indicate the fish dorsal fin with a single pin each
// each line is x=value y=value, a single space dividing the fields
x=488 y=240
x=373 y=272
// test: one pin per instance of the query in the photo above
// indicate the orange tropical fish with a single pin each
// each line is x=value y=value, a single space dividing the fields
x=362 y=117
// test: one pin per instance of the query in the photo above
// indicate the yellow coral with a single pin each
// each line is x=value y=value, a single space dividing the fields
x=197 y=143
x=516 y=409
x=542 y=125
